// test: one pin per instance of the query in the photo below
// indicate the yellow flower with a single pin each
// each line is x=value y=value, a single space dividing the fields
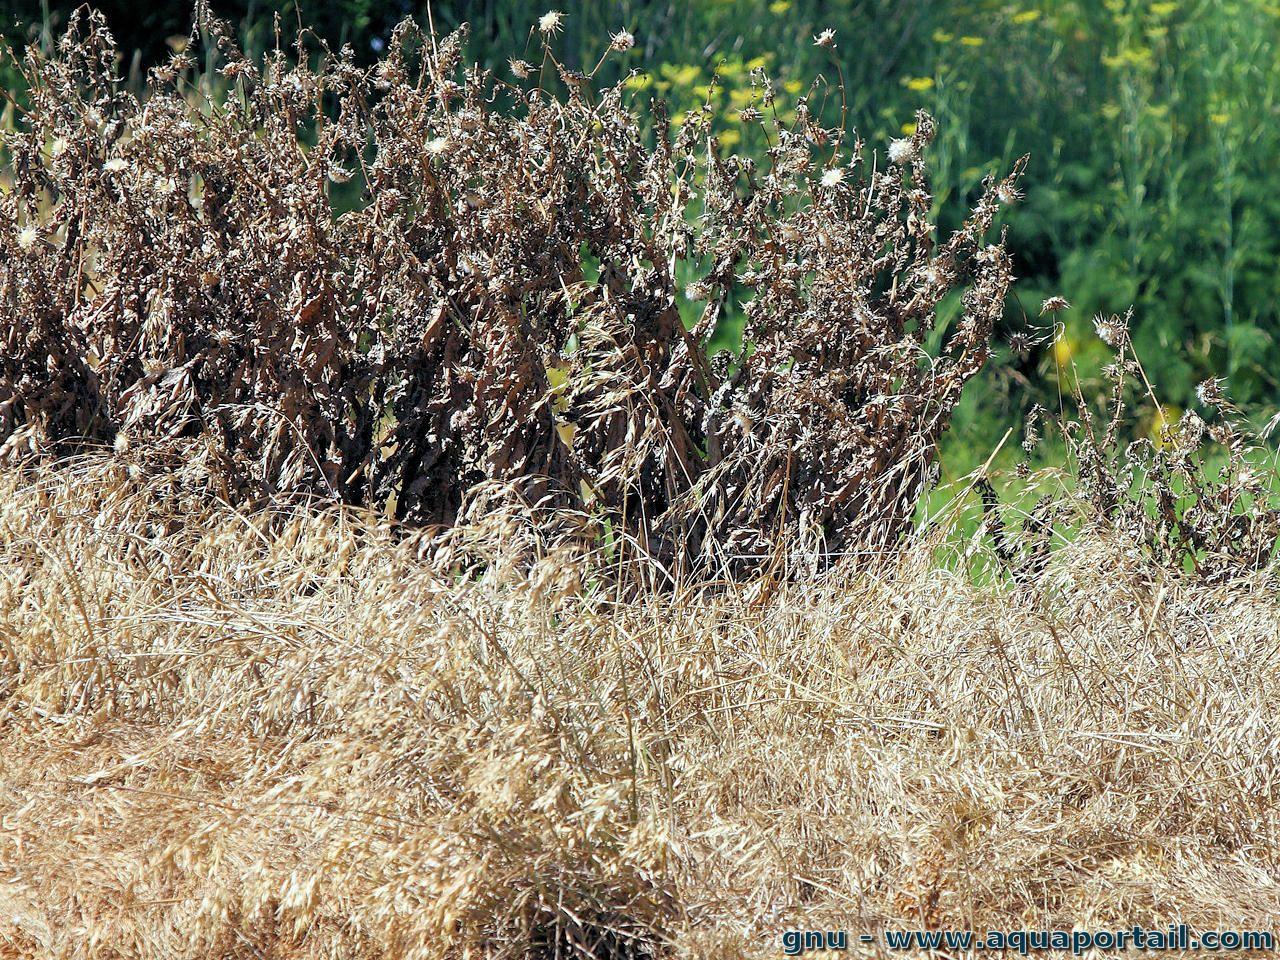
x=1026 y=16
x=779 y=7
x=1219 y=119
x=908 y=129
x=972 y=41
x=1130 y=56
x=941 y=36
x=918 y=83
x=681 y=76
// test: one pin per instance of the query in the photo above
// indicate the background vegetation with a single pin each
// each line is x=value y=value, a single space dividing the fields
x=1151 y=129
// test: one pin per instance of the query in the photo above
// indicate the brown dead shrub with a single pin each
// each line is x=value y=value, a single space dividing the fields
x=502 y=308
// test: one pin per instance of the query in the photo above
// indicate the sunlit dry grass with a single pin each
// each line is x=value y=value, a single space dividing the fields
x=296 y=735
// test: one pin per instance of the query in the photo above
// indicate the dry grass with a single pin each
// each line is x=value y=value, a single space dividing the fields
x=301 y=735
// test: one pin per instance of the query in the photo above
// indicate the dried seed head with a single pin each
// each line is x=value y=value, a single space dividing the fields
x=826 y=39
x=1111 y=330
x=1209 y=392
x=1054 y=305
x=520 y=69
x=550 y=22
x=622 y=41
x=832 y=176
x=902 y=151
x=28 y=236
x=1191 y=431
x=1007 y=194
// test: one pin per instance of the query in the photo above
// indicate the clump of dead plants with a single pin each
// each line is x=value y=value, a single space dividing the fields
x=503 y=307
x=1197 y=495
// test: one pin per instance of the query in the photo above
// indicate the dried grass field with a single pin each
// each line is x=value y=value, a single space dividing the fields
x=231 y=734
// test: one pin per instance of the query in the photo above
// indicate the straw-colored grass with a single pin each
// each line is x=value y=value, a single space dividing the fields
x=301 y=735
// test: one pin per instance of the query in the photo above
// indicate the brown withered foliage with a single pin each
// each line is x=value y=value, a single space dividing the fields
x=1197 y=496
x=1165 y=492
x=503 y=308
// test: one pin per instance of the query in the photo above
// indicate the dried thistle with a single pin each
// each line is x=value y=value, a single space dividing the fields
x=208 y=301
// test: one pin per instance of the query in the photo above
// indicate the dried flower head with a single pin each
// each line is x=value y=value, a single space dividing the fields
x=826 y=39
x=902 y=150
x=622 y=41
x=1209 y=392
x=1007 y=194
x=1112 y=330
x=833 y=176
x=1054 y=305
x=520 y=69
x=697 y=290
x=550 y=22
